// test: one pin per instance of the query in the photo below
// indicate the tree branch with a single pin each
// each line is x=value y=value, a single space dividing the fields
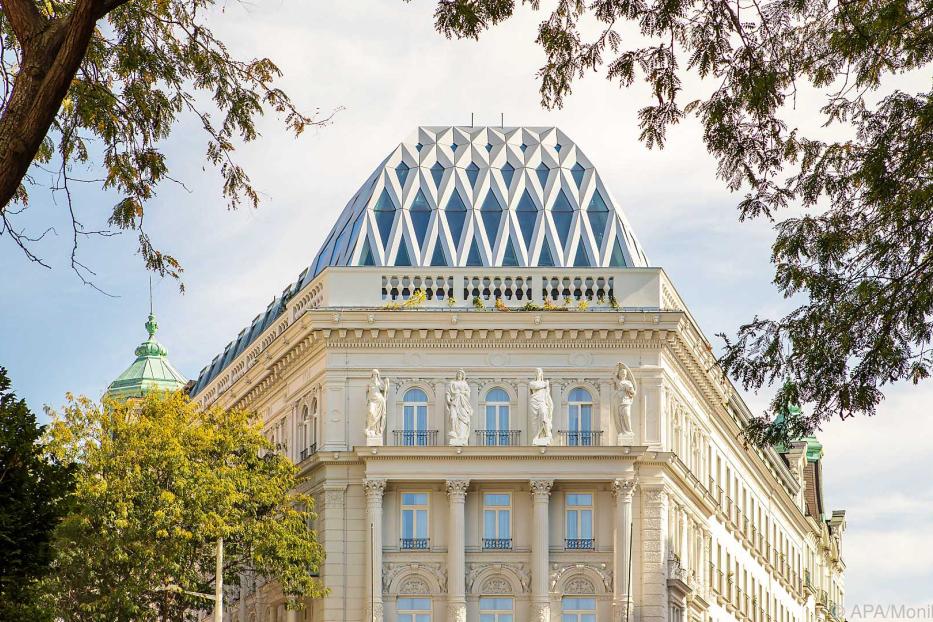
x=25 y=19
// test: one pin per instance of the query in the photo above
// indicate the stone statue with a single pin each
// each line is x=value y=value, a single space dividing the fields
x=376 y=408
x=459 y=410
x=542 y=408
x=624 y=397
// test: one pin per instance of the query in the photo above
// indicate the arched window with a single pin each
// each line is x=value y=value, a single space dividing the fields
x=580 y=418
x=578 y=609
x=303 y=432
x=497 y=430
x=415 y=418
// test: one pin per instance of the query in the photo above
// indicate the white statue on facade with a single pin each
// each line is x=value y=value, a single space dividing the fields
x=624 y=397
x=459 y=409
x=542 y=408
x=376 y=408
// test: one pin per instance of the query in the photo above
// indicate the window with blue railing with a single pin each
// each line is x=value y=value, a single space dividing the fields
x=580 y=419
x=579 y=520
x=415 y=507
x=414 y=430
x=498 y=411
x=497 y=520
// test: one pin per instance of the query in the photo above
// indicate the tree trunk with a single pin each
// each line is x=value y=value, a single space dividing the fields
x=52 y=52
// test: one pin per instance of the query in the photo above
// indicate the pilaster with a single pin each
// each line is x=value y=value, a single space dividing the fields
x=540 y=553
x=456 y=558
x=623 y=490
x=374 y=489
x=654 y=529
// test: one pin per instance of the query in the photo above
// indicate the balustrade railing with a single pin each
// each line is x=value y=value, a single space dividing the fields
x=498 y=437
x=309 y=451
x=414 y=544
x=577 y=438
x=415 y=438
x=577 y=544
x=498 y=544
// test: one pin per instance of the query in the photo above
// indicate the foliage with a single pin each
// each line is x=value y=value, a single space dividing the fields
x=501 y=306
x=530 y=306
x=34 y=495
x=478 y=303
x=859 y=257
x=100 y=84
x=159 y=482
x=583 y=305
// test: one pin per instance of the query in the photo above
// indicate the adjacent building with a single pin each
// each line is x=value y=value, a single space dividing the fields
x=505 y=412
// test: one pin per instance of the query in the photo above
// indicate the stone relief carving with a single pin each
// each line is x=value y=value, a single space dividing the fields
x=541 y=407
x=519 y=570
x=579 y=585
x=496 y=585
x=333 y=499
x=459 y=410
x=457 y=488
x=541 y=486
x=392 y=570
x=624 y=488
x=376 y=408
x=602 y=570
x=456 y=612
x=414 y=586
x=374 y=489
x=624 y=397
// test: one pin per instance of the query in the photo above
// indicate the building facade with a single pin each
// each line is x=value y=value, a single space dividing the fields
x=504 y=412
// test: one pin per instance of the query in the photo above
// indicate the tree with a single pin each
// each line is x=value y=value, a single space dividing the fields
x=34 y=493
x=89 y=80
x=860 y=256
x=159 y=482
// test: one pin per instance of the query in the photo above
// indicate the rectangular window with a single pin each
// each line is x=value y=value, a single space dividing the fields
x=414 y=520
x=495 y=610
x=414 y=609
x=497 y=520
x=575 y=609
x=677 y=614
x=579 y=520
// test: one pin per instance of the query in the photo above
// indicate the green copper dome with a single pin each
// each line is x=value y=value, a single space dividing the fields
x=151 y=370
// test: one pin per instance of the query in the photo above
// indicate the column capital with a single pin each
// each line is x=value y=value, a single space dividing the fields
x=624 y=488
x=374 y=488
x=541 y=487
x=657 y=496
x=457 y=488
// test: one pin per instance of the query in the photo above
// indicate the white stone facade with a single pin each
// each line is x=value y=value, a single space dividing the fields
x=672 y=521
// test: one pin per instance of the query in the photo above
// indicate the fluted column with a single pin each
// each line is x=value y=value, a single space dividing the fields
x=623 y=490
x=540 y=550
x=374 y=488
x=456 y=581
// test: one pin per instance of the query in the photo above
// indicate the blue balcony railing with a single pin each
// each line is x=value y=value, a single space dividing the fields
x=414 y=544
x=498 y=544
x=580 y=544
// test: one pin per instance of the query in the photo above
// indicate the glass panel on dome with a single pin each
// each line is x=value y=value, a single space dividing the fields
x=474 y=259
x=545 y=260
x=438 y=258
x=354 y=235
x=420 y=213
x=598 y=222
x=577 y=172
x=510 y=259
x=437 y=172
x=456 y=215
x=472 y=172
x=491 y=213
x=508 y=171
x=401 y=257
x=366 y=257
x=617 y=259
x=385 y=215
x=542 y=172
x=562 y=213
x=582 y=260
x=401 y=171
x=527 y=213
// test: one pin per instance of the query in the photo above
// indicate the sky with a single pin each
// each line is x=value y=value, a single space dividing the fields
x=384 y=70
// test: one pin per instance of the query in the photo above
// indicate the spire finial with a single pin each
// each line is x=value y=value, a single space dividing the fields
x=151 y=326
